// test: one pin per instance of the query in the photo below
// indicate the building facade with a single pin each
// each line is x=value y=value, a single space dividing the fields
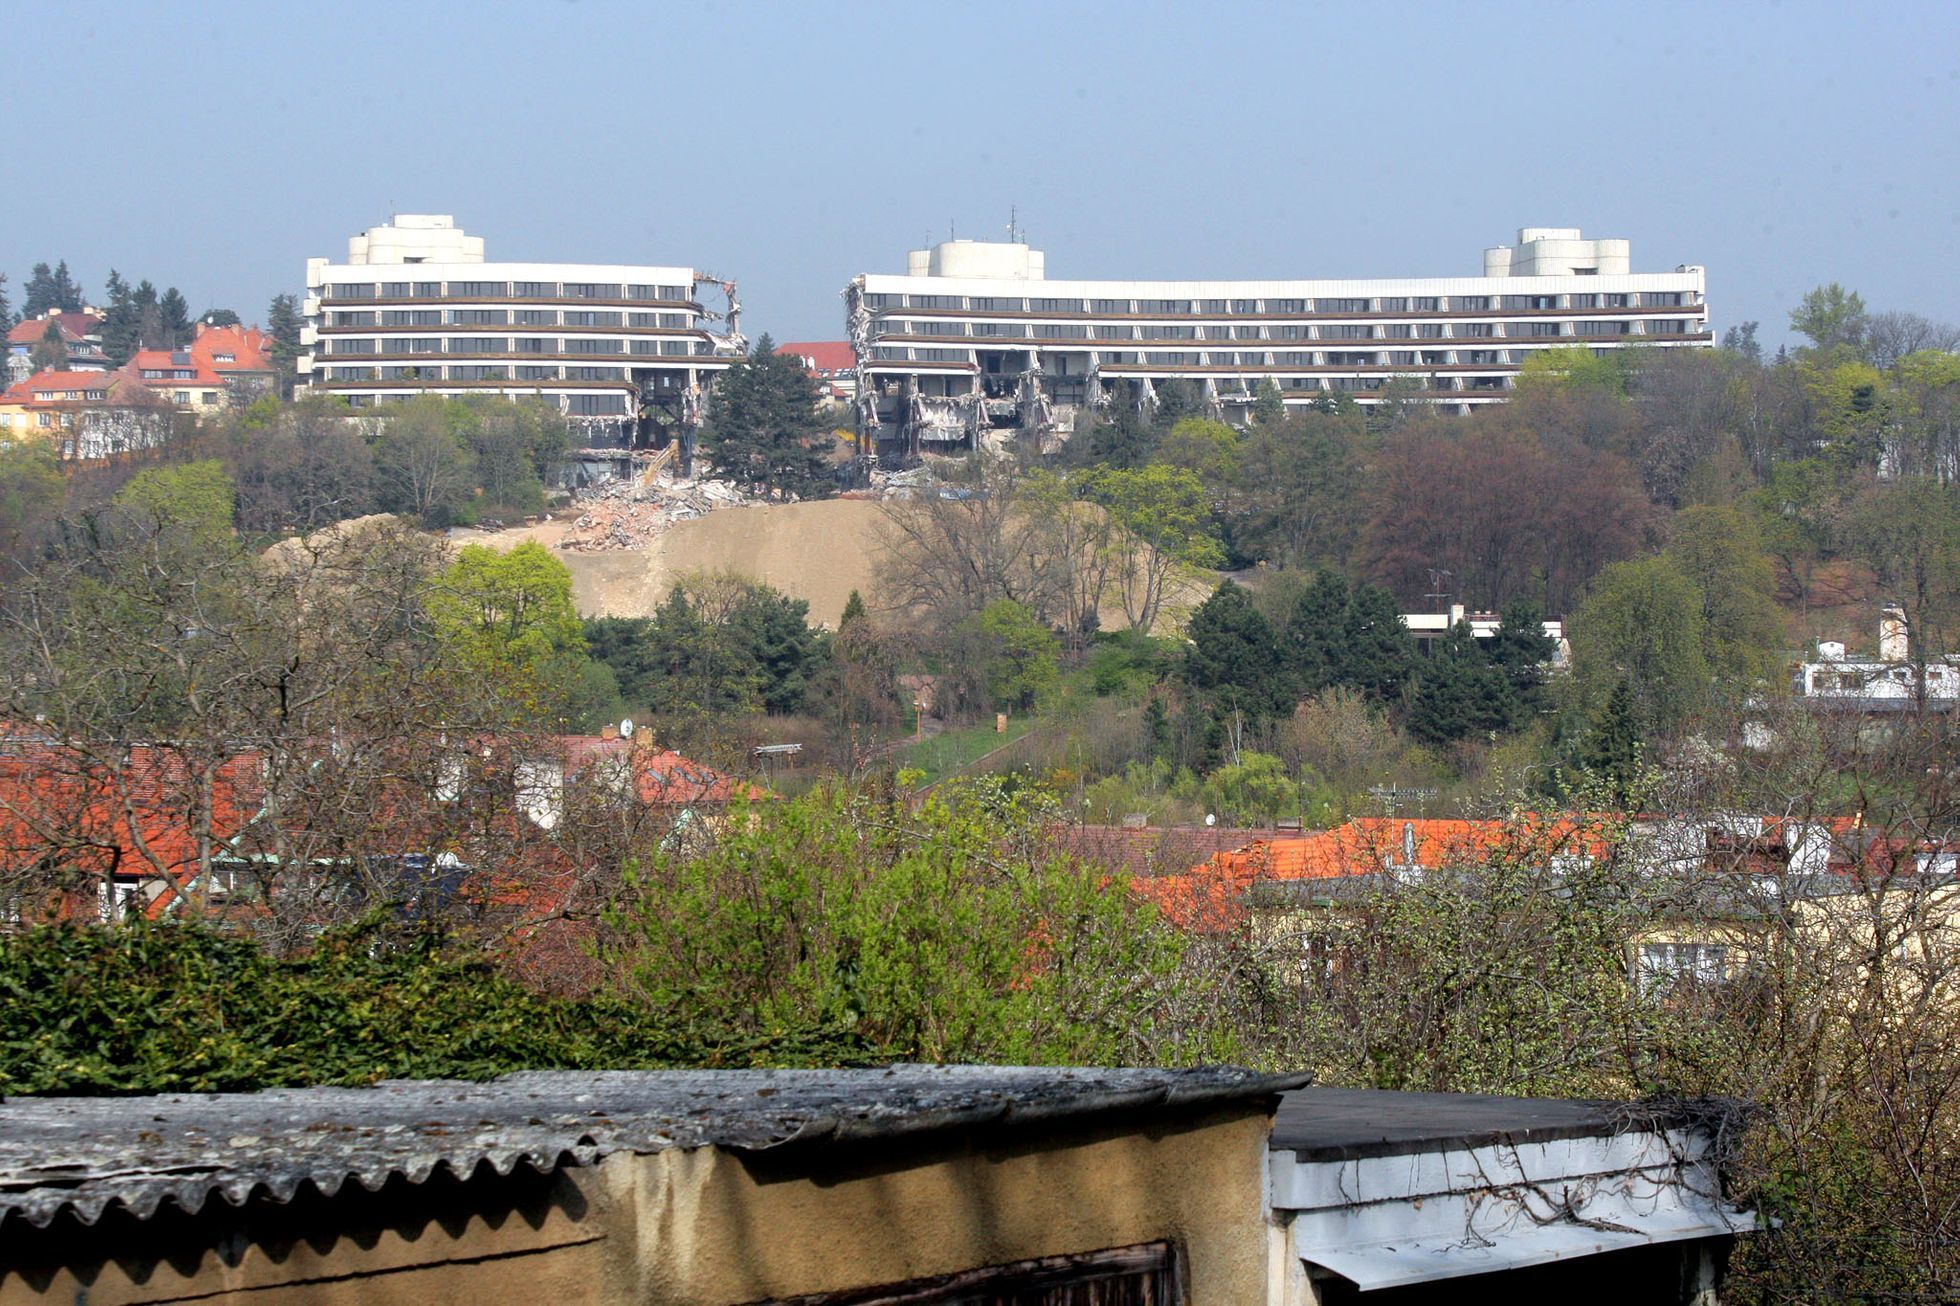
x=975 y=338
x=623 y=350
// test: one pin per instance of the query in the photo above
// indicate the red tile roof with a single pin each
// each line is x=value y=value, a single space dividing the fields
x=663 y=777
x=822 y=355
x=73 y=327
x=136 y=812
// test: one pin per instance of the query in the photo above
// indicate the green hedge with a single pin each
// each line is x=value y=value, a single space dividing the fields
x=151 y=1008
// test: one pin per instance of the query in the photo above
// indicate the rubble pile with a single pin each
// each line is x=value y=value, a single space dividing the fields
x=902 y=485
x=631 y=515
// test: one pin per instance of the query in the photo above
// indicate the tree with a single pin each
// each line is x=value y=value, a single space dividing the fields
x=1020 y=655
x=765 y=432
x=1314 y=630
x=31 y=489
x=175 y=314
x=1506 y=513
x=150 y=330
x=282 y=323
x=774 y=629
x=509 y=615
x=1298 y=500
x=1523 y=649
x=197 y=497
x=1459 y=692
x=1741 y=339
x=1268 y=404
x=121 y=330
x=1376 y=654
x=1165 y=528
x=986 y=534
x=1613 y=748
x=424 y=470
x=1832 y=317
x=853 y=610
x=220 y=317
x=1908 y=532
x=1894 y=336
x=50 y=352
x=68 y=293
x=1641 y=627
x=949 y=932
x=6 y=307
x=41 y=294
x=1234 y=657
x=1721 y=551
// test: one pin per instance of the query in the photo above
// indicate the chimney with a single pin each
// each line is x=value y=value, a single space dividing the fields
x=1893 y=644
x=1409 y=844
x=609 y=732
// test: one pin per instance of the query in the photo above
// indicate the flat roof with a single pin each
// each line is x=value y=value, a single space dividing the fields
x=1339 y=1124
x=83 y=1155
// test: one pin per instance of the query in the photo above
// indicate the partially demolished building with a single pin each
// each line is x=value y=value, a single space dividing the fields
x=624 y=351
x=975 y=339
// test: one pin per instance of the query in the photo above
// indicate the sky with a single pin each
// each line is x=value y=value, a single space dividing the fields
x=794 y=146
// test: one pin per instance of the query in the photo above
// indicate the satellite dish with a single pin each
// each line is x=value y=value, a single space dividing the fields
x=626 y=727
x=1210 y=820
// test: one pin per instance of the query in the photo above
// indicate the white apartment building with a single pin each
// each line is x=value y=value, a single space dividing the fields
x=624 y=350
x=976 y=338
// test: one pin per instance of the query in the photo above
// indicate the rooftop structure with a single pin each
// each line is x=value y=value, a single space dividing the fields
x=1889 y=682
x=975 y=339
x=903 y=1184
x=624 y=350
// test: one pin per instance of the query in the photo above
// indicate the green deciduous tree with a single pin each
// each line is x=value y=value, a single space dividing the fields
x=510 y=615
x=196 y=497
x=1641 y=627
x=1721 y=551
x=1020 y=655
x=950 y=932
x=1166 y=529
x=1830 y=316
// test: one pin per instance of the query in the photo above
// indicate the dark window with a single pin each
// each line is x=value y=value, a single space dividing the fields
x=1145 y=1275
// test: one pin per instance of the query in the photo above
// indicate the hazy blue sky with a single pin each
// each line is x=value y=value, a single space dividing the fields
x=795 y=145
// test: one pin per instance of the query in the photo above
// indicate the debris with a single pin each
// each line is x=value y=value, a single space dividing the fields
x=631 y=514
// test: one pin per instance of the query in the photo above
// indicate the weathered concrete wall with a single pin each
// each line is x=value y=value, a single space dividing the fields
x=706 y=1227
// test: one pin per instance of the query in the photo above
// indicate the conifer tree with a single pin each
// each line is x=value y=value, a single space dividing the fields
x=6 y=308
x=1234 y=656
x=1376 y=652
x=176 y=314
x=41 y=292
x=1522 y=648
x=120 y=329
x=1314 y=630
x=853 y=610
x=1612 y=750
x=1460 y=692
x=1268 y=405
x=764 y=431
x=282 y=323
x=67 y=294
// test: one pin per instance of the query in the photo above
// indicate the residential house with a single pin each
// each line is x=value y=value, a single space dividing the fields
x=832 y=362
x=87 y=415
x=940 y=1185
x=81 y=336
x=176 y=377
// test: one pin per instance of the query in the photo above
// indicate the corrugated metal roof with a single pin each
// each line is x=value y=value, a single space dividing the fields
x=84 y=1155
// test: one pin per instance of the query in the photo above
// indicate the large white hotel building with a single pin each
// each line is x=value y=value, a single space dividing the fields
x=623 y=350
x=976 y=338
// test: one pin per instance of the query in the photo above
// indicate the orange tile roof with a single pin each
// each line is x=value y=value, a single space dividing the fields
x=164 y=360
x=250 y=349
x=1207 y=897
